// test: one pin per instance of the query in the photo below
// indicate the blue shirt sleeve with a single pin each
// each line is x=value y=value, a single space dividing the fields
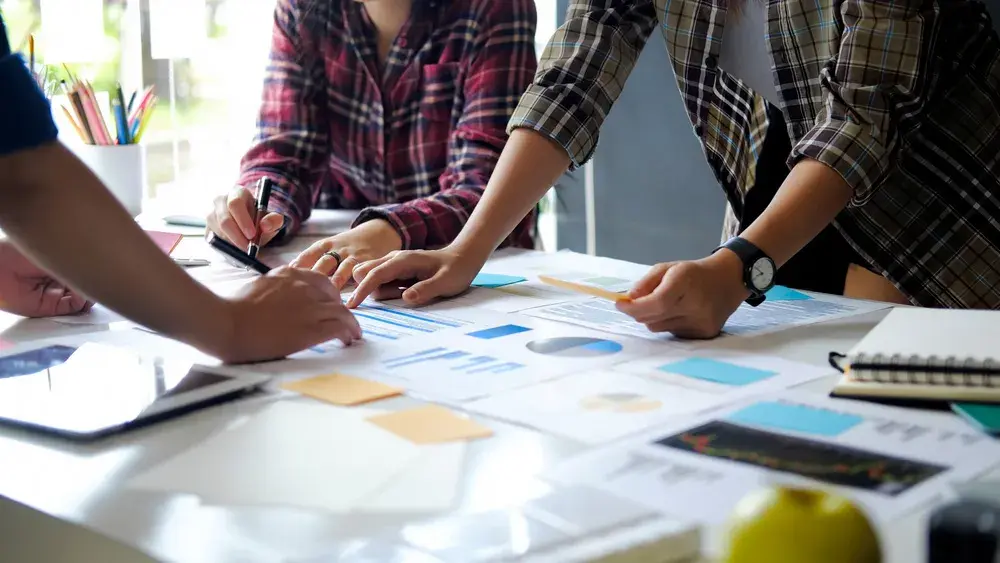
x=25 y=115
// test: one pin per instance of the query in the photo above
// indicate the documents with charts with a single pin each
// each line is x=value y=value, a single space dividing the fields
x=470 y=362
x=601 y=406
x=889 y=459
x=721 y=372
x=770 y=316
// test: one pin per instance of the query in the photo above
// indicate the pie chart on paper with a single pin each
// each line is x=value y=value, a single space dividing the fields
x=574 y=347
x=620 y=403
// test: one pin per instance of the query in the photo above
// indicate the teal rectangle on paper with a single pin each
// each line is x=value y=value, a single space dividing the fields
x=796 y=418
x=717 y=372
x=495 y=280
x=782 y=293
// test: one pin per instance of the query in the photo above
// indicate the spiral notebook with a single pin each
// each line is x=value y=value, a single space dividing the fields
x=927 y=355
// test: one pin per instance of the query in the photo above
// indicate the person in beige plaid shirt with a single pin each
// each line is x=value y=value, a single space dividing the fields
x=857 y=141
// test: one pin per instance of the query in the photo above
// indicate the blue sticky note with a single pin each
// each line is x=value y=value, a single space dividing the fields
x=782 y=293
x=498 y=332
x=717 y=372
x=796 y=418
x=495 y=280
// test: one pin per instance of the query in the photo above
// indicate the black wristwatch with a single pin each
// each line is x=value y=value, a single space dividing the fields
x=758 y=268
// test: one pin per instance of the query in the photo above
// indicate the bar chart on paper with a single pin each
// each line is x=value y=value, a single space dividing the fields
x=445 y=359
x=391 y=323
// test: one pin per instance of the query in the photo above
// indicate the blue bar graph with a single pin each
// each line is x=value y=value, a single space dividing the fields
x=444 y=359
x=452 y=355
x=498 y=332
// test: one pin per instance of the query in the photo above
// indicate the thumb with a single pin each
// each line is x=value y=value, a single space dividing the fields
x=649 y=282
x=425 y=291
x=269 y=226
x=272 y=222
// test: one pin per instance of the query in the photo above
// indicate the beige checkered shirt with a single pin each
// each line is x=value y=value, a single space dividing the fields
x=900 y=97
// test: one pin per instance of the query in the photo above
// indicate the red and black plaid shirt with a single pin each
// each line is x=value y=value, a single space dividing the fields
x=412 y=141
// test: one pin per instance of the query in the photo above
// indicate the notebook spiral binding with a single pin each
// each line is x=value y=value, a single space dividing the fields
x=930 y=370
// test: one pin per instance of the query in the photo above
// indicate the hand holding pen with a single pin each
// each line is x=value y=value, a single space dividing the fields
x=235 y=217
x=263 y=198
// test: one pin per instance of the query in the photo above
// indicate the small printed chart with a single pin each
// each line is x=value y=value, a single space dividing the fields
x=620 y=403
x=594 y=407
x=574 y=347
x=474 y=361
x=720 y=372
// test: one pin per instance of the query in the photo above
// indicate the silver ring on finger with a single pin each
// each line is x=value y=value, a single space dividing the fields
x=333 y=254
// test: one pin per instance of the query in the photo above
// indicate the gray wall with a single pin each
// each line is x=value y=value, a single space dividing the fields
x=656 y=199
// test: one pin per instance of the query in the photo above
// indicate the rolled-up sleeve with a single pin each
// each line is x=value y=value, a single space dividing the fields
x=582 y=72
x=875 y=91
x=292 y=144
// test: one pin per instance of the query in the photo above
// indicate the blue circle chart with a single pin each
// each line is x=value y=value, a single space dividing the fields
x=574 y=347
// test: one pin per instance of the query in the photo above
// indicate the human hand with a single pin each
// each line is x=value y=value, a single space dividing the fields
x=29 y=291
x=337 y=256
x=233 y=218
x=418 y=276
x=285 y=312
x=691 y=299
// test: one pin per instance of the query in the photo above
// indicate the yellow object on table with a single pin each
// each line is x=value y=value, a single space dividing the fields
x=797 y=525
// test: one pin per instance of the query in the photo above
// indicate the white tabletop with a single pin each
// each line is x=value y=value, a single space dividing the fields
x=82 y=485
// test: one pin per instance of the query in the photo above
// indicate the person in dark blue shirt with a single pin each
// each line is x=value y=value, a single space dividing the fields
x=60 y=216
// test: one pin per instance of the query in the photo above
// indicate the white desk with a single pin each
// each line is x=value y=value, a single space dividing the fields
x=81 y=485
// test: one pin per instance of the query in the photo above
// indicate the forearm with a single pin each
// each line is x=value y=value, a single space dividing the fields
x=528 y=167
x=58 y=212
x=809 y=199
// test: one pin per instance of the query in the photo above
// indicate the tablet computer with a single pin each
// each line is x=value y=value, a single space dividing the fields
x=87 y=391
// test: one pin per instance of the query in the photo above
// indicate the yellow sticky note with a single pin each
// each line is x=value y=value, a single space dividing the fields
x=430 y=425
x=342 y=389
x=583 y=288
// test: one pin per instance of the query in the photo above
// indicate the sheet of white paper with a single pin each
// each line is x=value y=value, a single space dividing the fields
x=469 y=362
x=606 y=273
x=594 y=407
x=891 y=460
x=72 y=31
x=770 y=316
x=601 y=406
x=295 y=453
x=325 y=222
x=430 y=484
x=168 y=16
x=98 y=315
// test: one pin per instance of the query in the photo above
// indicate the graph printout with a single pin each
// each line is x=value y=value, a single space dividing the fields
x=890 y=460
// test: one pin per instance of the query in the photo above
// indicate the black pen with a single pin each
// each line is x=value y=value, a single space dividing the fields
x=235 y=253
x=263 y=197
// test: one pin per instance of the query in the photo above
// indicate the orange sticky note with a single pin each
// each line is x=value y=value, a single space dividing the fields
x=342 y=389
x=166 y=241
x=431 y=425
x=582 y=288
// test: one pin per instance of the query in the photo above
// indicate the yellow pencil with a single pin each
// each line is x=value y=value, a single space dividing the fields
x=69 y=116
x=144 y=122
x=586 y=289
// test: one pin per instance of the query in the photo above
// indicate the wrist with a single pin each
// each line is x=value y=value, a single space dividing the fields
x=731 y=271
x=215 y=328
x=384 y=236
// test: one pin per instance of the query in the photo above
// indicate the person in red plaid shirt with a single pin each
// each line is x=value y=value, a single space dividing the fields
x=395 y=107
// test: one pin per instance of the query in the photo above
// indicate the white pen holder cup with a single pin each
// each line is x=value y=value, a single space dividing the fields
x=122 y=168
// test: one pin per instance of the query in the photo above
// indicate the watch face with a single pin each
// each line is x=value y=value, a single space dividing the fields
x=762 y=274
